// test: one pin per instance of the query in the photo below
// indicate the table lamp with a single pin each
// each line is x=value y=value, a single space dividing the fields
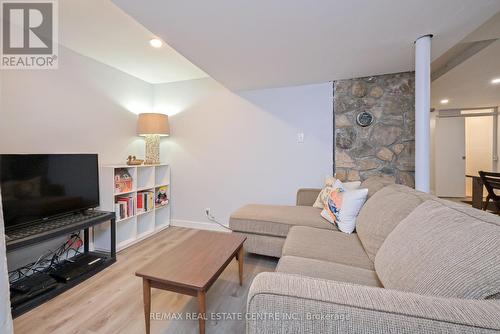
x=153 y=126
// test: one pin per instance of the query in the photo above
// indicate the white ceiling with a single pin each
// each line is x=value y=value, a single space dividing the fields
x=102 y=31
x=469 y=84
x=259 y=44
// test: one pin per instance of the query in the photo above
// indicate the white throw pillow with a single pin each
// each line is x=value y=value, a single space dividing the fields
x=343 y=207
x=329 y=185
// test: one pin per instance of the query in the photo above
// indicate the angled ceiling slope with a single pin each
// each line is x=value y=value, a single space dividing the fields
x=100 y=30
x=468 y=84
x=260 y=44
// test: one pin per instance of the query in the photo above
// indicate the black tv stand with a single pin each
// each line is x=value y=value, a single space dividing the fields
x=59 y=226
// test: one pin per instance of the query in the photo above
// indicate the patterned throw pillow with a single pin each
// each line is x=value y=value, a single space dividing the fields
x=322 y=197
x=343 y=207
x=330 y=181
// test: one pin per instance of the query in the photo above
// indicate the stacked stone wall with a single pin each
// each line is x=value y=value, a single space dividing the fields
x=387 y=146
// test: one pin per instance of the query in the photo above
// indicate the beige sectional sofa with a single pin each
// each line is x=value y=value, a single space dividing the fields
x=417 y=264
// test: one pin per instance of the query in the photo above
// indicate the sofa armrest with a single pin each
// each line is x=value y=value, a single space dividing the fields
x=279 y=302
x=307 y=196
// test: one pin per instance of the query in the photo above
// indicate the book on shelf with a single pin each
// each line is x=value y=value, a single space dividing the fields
x=145 y=201
x=123 y=180
x=124 y=207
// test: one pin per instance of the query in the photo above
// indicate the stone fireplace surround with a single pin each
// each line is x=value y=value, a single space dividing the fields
x=387 y=146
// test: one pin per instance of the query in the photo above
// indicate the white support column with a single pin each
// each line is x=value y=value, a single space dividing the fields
x=422 y=113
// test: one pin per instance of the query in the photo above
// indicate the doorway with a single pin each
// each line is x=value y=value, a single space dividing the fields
x=465 y=142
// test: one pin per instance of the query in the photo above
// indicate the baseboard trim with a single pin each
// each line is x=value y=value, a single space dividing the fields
x=197 y=225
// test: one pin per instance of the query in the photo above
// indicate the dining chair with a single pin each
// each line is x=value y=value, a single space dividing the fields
x=491 y=181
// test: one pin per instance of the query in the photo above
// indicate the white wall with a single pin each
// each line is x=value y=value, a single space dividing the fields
x=83 y=107
x=229 y=149
x=226 y=149
x=233 y=148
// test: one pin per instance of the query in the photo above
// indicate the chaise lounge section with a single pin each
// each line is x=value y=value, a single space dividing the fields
x=266 y=226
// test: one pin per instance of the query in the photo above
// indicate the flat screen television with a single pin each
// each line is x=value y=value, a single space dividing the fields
x=37 y=187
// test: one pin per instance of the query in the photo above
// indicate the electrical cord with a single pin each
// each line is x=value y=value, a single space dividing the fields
x=213 y=219
x=48 y=260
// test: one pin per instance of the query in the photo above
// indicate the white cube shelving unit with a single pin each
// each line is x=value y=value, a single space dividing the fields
x=140 y=225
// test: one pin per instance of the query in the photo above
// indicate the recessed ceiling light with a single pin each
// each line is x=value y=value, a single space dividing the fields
x=156 y=43
x=444 y=101
x=495 y=81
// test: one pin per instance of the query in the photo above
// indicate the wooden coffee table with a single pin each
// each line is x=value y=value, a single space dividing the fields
x=191 y=268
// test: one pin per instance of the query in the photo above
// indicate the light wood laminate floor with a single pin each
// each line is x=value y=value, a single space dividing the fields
x=111 y=301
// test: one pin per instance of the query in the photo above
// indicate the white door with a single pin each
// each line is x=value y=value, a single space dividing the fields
x=478 y=147
x=450 y=157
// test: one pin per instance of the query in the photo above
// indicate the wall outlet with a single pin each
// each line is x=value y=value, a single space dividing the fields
x=207 y=211
x=300 y=137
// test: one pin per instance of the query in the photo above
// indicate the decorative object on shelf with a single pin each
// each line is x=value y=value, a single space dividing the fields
x=364 y=119
x=161 y=196
x=123 y=180
x=153 y=126
x=133 y=161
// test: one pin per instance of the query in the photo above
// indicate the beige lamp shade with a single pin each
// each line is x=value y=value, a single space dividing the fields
x=153 y=124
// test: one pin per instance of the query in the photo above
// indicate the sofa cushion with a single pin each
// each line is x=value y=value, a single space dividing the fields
x=327 y=270
x=375 y=183
x=383 y=212
x=307 y=196
x=276 y=220
x=332 y=246
x=442 y=250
